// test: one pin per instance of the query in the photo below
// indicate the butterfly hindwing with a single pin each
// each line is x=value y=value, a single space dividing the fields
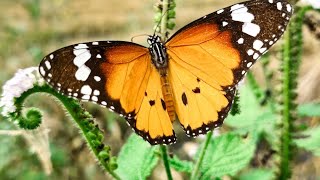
x=116 y=75
x=209 y=56
x=152 y=120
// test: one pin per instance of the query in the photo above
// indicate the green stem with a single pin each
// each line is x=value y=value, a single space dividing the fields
x=165 y=4
x=165 y=159
x=195 y=171
x=292 y=50
x=286 y=115
x=93 y=135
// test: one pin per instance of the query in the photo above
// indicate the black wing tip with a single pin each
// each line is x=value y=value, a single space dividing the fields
x=164 y=140
x=204 y=129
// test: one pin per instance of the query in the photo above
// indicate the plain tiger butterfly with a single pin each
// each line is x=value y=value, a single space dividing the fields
x=193 y=75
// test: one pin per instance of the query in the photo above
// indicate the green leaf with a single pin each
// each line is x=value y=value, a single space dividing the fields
x=136 y=159
x=226 y=155
x=261 y=174
x=311 y=142
x=181 y=166
x=309 y=110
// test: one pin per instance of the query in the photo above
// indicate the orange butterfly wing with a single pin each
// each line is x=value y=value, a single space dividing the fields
x=208 y=57
x=117 y=75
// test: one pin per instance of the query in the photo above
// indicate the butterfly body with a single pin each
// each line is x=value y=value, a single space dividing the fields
x=192 y=76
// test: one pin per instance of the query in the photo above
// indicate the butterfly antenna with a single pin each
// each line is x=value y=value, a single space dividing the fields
x=139 y=35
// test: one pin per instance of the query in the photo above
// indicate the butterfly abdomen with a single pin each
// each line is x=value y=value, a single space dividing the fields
x=168 y=102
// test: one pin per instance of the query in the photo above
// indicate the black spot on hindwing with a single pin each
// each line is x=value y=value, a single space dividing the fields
x=184 y=99
x=163 y=104
x=151 y=102
x=196 y=90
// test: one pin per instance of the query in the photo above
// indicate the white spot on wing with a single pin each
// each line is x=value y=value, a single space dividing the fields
x=51 y=56
x=257 y=44
x=289 y=8
x=220 y=11
x=81 y=46
x=224 y=23
x=94 y=98
x=96 y=92
x=242 y=15
x=42 y=71
x=86 y=89
x=83 y=73
x=251 y=29
x=236 y=6
x=48 y=65
x=279 y=6
x=250 y=52
x=255 y=56
x=249 y=64
x=240 y=41
x=95 y=43
x=97 y=78
x=262 y=50
x=270 y=1
x=98 y=56
x=82 y=58
x=104 y=103
x=86 y=97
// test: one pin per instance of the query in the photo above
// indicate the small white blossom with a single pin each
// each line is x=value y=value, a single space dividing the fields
x=23 y=80
x=314 y=3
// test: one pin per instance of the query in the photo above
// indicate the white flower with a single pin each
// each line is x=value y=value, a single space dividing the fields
x=314 y=3
x=23 y=80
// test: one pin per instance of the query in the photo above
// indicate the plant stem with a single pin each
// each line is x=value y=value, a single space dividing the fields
x=286 y=122
x=292 y=50
x=166 y=161
x=163 y=31
x=195 y=171
x=82 y=118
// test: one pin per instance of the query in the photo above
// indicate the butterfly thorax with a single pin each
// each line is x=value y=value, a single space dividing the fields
x=158 y=52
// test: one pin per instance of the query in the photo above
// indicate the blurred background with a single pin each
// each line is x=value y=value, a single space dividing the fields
x=31 y=29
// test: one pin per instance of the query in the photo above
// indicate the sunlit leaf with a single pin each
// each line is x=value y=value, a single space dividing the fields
x=136 y=159
x=227 y=155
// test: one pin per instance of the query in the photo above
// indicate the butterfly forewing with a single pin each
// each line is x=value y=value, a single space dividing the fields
x=209 y=56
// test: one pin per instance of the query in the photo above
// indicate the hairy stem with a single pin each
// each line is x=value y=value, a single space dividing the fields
x=292 y=50
x=93 y=135
x=195 y=171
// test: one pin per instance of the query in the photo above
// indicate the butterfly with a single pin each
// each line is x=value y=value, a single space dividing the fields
x=192 y=76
